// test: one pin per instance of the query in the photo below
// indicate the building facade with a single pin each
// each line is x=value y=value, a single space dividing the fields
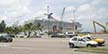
x=66 y=26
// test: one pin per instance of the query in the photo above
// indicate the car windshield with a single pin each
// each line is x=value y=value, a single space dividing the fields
x=87 y=38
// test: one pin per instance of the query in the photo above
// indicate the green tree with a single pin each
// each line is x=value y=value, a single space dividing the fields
x=39 y=27
x=12 y=30
x=9 y=30
x=28 y=27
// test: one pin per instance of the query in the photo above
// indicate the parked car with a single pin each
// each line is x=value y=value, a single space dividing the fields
x=99 y=40
x=37 y=35
x=11 y=35
x=5 y=38
x=85 y=32
x=57 y=34
x=70 y=34
x=21 y=36
x=81 y=42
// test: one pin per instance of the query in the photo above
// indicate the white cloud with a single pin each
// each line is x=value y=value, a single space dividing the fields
x=70 y=8
x=10 y=10
x=87 y=8
x=98 y=2
x=87 y=11
x=78 y=1
x=5 y=2
x=103 y=13
x=4 y=18
x=83 y=12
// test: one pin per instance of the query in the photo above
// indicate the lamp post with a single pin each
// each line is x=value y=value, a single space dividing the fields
x=61 y=26
x=49 y=17
x=73 y=21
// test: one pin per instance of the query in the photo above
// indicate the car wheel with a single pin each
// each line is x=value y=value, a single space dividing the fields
x=100 y=44
x=52 y=36
x=71 y=45
x=89 y=46
x=11 y=40
x=39 y=36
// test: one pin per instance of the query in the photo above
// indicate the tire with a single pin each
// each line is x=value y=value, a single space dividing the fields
x=71 y=45
x=10 y=40
x=100 y=44
x=40 y=37
x=89 y=46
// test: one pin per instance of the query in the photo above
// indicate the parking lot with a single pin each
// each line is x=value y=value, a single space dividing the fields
x=40 y=46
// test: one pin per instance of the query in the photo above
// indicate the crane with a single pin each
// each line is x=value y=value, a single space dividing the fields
x=61 y=26
x=95 y=22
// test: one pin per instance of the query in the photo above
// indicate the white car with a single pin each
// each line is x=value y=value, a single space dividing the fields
x=80 y=42
x=70 y=34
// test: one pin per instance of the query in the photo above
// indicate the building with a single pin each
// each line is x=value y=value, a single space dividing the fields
x=48 y=24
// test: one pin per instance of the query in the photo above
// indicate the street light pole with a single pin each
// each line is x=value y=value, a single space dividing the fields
x=48 y=18
x=61 y=26
x=73 y=21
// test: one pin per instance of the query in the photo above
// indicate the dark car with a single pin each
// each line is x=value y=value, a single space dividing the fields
x=57 y=34
x=11 y=35
x=6 y=38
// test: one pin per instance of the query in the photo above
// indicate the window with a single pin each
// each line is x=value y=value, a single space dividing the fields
x=80 y=40
x=74 y=39
x=87 y=38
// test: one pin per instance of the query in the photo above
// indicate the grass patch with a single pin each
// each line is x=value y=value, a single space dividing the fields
x=99 y=49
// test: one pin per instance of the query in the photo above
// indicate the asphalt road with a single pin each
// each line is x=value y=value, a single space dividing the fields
x=40 y=46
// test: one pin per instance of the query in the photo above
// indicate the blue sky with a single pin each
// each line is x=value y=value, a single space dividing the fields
x=86 y=11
